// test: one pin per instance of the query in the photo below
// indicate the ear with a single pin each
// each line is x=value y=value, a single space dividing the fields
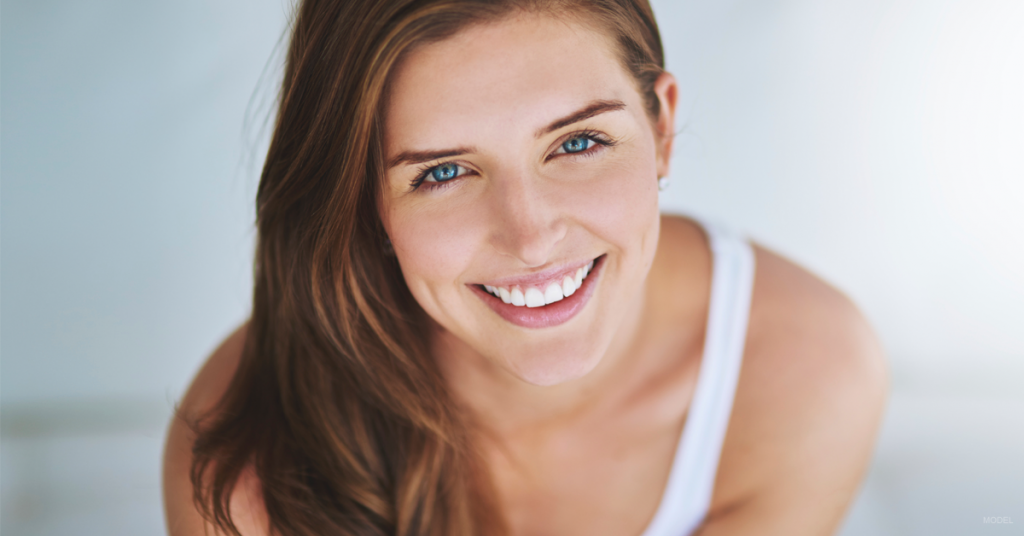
x=667 y=90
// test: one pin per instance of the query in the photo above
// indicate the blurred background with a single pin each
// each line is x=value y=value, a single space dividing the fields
x=878 y=142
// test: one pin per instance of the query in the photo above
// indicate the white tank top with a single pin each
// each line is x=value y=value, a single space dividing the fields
x=687 y=496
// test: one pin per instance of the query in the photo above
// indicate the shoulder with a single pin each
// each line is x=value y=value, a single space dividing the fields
x=806 y=335
x=809 y=401
x=183 y=519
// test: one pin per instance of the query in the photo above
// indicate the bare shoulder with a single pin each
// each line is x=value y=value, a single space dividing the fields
x=808 y=405
x=183 y=519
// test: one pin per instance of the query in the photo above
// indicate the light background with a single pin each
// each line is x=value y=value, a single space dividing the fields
x=878 y=142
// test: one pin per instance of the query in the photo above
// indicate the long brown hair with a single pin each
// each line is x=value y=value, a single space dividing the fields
x=337 y=404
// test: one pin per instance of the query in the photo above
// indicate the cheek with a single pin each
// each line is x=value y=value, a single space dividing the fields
x=434 y=247
x=620 y=201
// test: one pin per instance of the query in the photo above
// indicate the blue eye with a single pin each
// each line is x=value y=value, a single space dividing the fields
x=439 y=175
x=575 y=145
x=444 y=172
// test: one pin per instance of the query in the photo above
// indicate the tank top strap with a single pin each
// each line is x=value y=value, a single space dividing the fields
x=687 y=495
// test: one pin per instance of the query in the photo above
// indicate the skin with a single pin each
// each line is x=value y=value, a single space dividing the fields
x=522 y=207
x=581 y=420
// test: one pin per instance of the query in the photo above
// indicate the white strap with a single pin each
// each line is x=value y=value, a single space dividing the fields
x=691 y=481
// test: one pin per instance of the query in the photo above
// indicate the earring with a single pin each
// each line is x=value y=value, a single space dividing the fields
x=662 y=183
x=388 y=248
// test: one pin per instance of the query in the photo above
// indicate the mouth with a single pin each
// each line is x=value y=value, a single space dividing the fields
x=546 y=303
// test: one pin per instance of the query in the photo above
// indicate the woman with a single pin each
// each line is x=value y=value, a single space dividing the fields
x=470 y=318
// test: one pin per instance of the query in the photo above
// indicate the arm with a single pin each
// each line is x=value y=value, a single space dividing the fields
x=183 y=519
x=810 y=400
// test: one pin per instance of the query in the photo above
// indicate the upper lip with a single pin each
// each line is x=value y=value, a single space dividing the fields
x=554 y=274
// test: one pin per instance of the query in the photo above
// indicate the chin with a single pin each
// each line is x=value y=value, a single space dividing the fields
x=555 y=368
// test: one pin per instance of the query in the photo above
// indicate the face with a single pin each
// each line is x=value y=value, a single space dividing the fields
x=521 y=192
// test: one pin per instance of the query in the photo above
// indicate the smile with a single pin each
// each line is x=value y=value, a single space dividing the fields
x=533 y=296
x=542 y=302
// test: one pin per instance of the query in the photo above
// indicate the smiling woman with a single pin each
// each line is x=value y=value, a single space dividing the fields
x=550 y=165
x=470 y=317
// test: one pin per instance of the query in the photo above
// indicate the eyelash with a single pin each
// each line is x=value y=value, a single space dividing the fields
x=600 y=141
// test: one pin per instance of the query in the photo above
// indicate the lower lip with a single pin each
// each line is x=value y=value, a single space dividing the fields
x=549 y=315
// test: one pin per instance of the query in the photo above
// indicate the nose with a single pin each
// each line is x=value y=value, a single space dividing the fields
x=528 y=223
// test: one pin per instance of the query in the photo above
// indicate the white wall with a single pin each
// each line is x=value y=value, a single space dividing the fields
x=128 y=173
x=879 y=142
x=126 y=200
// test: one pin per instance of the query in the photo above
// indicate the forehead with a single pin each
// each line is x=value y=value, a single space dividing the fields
x=520 y=71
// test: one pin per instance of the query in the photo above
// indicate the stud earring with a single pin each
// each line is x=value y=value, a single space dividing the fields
x=388 y=248
x=662 y=183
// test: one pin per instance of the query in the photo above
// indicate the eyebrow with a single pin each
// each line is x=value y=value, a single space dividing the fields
x=418 y=157
x=594 y=108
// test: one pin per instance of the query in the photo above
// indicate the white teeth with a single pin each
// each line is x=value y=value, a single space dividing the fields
x=534 y=298
x=568 y=286
x=553 y=293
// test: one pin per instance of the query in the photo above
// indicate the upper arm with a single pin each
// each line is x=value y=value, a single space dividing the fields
x=183 y=519
x=807 y=409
